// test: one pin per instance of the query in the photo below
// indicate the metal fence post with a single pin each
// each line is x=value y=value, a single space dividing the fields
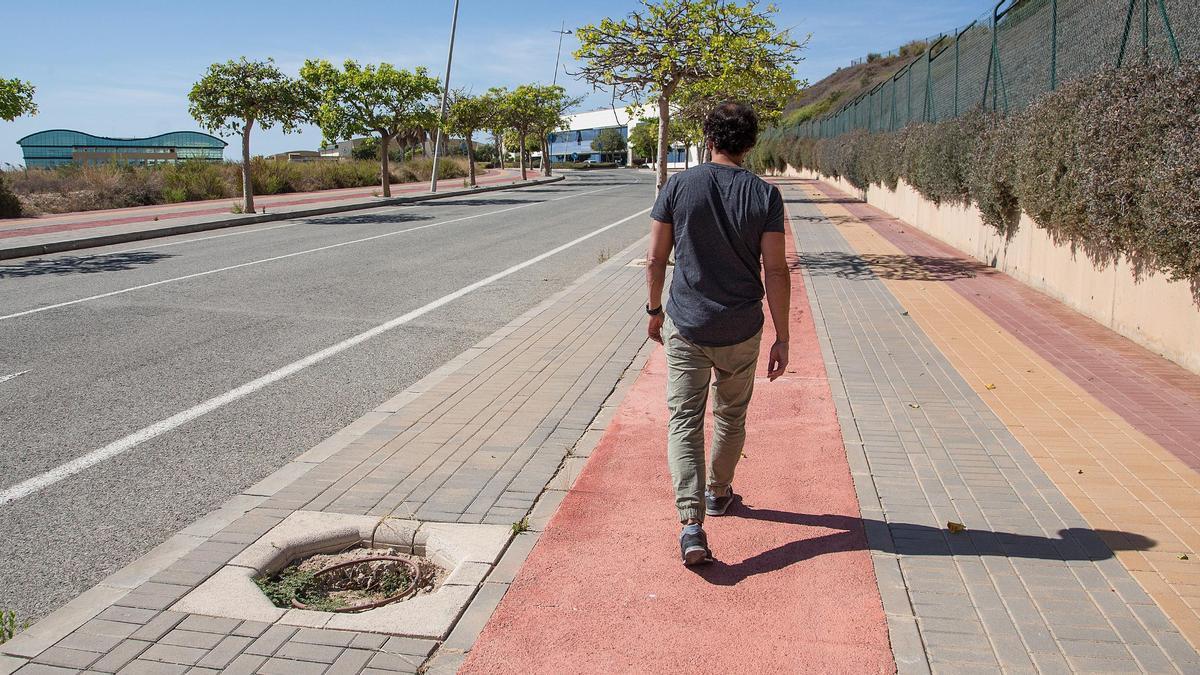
x=1162 y=9
x=908 y=102
x=1145 y=31
x=1053 y=45
x=957 y=40
x=1125 y=34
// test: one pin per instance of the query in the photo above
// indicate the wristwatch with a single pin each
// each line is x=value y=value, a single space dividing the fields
x=653 y=312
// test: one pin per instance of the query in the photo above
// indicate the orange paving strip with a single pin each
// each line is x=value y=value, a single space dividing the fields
x=1116 y=476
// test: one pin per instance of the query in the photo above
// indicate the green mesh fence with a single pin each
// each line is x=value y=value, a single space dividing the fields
x=1010 y=55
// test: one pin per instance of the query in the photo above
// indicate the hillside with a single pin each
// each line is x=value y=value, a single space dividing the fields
x=846 y=83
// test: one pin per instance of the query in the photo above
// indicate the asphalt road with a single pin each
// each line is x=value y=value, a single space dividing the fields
x=80 y=373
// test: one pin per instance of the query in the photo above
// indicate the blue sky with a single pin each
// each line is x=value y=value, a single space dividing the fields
x=124 y=67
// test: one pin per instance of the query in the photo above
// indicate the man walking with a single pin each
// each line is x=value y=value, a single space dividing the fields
x=723 y=222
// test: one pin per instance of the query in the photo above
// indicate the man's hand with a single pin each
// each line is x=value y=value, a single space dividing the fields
x=778 y=361
x=654 y=329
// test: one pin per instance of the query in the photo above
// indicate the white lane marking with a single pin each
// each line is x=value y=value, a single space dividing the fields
x=58 y=473
x=300 y=220
x=260 y=261
x=6 y=378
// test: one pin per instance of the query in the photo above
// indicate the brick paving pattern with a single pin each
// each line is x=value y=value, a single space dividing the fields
x=1158 y=397
x=1029 y=586
x=1118 y=477
x=478 y=441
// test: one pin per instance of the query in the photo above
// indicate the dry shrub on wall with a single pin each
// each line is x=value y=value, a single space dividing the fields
x=882 y=157
x=801 y=153
x=916 y=142
x=938 y=158
x=1170 y=200
x=1045 y=153
x=992 y=175
x=1106 y=171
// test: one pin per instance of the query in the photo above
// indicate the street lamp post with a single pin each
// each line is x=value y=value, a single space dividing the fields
x=437 y=142
x=558 y=55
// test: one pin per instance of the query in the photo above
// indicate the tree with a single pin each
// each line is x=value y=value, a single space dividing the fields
x=234 y=96
x=497 y=98
x=644 y=137
x=551 y=103
x=383 y=100
x=16 y=99
x=368 y=149
x=524 y=116
x=468 y=114
x=670 y=43
x=767 y=91
x=608 y=141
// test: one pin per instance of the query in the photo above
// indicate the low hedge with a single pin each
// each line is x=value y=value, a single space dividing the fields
x=1107 y=163
x=109 y=186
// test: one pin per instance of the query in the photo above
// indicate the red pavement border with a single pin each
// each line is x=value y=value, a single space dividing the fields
x=793 y=588
x=1157 y=397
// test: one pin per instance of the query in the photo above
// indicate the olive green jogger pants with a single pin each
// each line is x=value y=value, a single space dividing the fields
x=689 y=372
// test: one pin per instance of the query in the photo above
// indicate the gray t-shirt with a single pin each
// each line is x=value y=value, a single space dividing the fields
x=719 y=213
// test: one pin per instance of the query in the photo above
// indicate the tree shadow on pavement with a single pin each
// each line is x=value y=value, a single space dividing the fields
x=92 y=264
x=912 y=540
x=824 y=200
x=482 y=202
x=365 y=219
x=893 y=267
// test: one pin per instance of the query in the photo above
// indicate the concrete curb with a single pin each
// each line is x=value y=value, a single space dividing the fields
x=170 y=231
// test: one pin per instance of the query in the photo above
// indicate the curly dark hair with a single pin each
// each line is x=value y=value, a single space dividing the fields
x=732 y=128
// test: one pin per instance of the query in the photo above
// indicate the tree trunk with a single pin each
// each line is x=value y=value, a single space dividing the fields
x=499 y=148
x=521 y=154
x=664 y=122
x=545 y=156
x=385 y=172
x=247 y=185
x=470 y=160
x=687 y=155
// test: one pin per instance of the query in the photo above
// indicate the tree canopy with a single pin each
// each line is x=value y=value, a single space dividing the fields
x=671 y=43
x=608 y=141
x=643 y=138
x=235 y=95
x=16 y=99
x=370 y=99
x=531 y=110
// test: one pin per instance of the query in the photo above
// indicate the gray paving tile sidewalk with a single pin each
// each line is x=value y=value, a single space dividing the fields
x=1029 y=587
x=476 y=441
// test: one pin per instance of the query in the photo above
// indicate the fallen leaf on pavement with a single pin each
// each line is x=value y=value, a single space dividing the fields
x=914 y=405
x=1183 y=556
x=955 y=527
x=990 y=386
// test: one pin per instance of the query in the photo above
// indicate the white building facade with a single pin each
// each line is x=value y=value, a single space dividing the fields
x=574 y=142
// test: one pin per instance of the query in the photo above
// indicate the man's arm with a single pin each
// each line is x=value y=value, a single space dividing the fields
x=662 y=239
x=778 y=281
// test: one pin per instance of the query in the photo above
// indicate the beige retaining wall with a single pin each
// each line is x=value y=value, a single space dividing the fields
x=1158 y=314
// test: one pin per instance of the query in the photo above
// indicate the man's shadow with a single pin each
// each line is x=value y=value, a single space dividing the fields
x=857 y=534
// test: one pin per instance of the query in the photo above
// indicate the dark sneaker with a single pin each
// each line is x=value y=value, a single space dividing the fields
x=693 y=545
x=717 y=506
